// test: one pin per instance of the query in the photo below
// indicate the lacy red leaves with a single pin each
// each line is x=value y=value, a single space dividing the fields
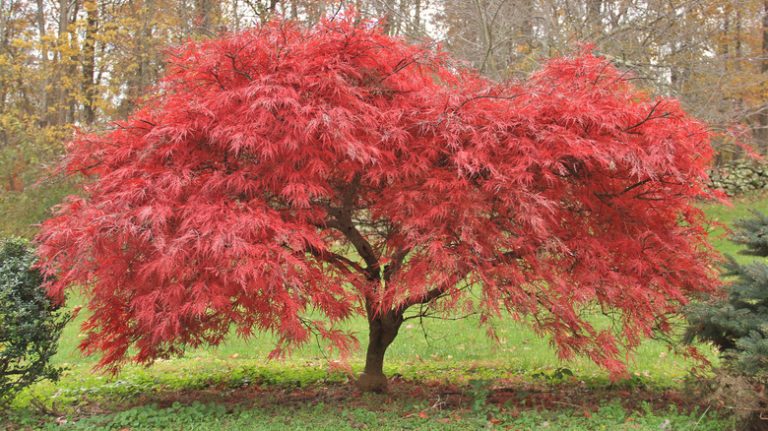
x=286 y=172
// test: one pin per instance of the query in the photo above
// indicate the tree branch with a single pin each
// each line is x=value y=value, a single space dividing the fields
x=424 y=315
x=362 y=246
x=627 y=189
x=435 y=293
x=424 y=299
x=397 y=263
x=338 y=260
x=341 y=220
x=648 y=117
x=485 y=96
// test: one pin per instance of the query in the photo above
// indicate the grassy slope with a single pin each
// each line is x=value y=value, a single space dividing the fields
x=453 y=350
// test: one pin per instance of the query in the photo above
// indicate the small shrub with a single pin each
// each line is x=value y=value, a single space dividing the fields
x=30 y=324
x=738 y=325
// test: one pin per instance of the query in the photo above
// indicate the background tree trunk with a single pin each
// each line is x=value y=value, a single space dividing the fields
x=89 y=62
x=763 y=142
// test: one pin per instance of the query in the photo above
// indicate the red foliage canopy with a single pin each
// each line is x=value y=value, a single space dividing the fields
x=336 y=169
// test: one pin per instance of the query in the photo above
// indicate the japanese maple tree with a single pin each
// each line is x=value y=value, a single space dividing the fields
x=334 y=171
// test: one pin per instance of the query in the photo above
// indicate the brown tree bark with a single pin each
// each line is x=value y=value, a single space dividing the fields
x=146 y=71
x=763 y=120
x=59 y=117
x=208 y=17
x=44 y=95
x=89 y=62
x=382 y=330
x=594 y=19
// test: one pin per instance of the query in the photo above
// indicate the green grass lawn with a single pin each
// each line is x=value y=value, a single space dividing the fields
x=445 y=351
x=740 y=209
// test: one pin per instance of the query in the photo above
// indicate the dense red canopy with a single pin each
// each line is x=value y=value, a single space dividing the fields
x=286 y=169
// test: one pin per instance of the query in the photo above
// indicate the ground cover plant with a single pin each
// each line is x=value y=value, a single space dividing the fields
x=285 y=179
x=307 y=413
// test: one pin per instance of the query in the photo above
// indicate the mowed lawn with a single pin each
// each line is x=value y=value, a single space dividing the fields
x=428 y=352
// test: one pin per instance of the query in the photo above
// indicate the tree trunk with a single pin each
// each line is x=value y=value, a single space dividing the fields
x=89 y=62
x=594 y=19
x=44 y=94
x=59 y=97
x=208 y=17
x=763 y=119
x=382 y=330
